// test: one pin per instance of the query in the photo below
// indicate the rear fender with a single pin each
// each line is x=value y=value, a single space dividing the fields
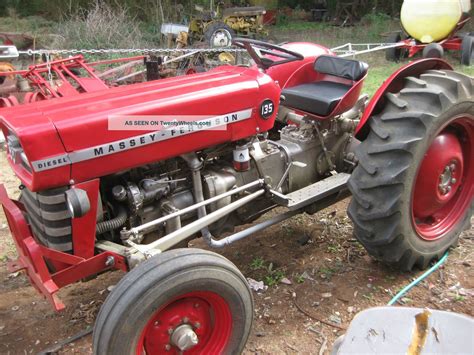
x=394 y=84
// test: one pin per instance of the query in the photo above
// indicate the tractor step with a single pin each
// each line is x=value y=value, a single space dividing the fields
x=312 y=193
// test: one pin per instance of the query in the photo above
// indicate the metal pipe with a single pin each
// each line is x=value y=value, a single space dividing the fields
x=195 y=165
x=253 y=229
x=178 y=236
x=145 y=226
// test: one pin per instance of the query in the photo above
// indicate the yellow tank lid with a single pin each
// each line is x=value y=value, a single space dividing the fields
x=430 y=20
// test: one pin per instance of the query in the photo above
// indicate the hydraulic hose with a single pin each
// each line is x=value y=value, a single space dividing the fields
x=114 y=223
x=418 y=280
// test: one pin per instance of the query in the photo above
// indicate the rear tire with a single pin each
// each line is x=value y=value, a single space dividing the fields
x=191 y=287
x=219 y=35
x=385 y=207
x=467 y=50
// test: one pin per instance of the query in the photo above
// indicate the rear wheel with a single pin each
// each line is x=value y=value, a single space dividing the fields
x=467 y=50
x=183 y=300
x=413 y=187
x=219 y=35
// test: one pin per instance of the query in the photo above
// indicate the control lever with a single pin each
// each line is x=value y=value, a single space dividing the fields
x=287 y=171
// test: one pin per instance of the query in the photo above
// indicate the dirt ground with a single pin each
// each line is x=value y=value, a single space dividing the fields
x=326 y=277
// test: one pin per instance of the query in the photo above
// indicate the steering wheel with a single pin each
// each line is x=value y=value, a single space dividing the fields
x=259 y=49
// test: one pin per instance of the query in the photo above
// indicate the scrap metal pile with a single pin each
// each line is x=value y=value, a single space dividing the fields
x=60 y=73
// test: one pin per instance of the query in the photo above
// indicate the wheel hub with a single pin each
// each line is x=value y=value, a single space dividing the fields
x=196 y=323
x=444 y=184
x=447 y=179
x=184 y=337
x=221 y=39
x=438 y=178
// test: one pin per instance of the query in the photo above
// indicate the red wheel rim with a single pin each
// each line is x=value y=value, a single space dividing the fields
x=205 y=313
x=445 y=181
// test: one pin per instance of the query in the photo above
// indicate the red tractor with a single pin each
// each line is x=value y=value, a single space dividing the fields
x=293 y=130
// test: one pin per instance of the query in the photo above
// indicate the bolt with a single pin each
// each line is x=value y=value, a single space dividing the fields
x=452 y=167
x=170 y=331
x=442 y=189
x=110 y=261
x=448 y=188
x=168 y=347
x=197 y=325
x=196 y=305
x=185 y=320
x=453 y=181
x=157 y=323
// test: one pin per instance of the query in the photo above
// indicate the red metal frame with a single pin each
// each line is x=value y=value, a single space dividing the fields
x=62 y=69
x=83 y=228
x=394 y=84
x=71 y=83
x=33 y=257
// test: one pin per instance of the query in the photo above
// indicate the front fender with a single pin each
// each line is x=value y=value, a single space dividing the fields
x=394 y=84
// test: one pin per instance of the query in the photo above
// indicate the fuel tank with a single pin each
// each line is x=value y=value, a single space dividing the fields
x=432 y=20
x=71 y=138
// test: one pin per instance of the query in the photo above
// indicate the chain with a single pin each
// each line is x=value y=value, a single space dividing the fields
x=32 y=52
x=48 y=65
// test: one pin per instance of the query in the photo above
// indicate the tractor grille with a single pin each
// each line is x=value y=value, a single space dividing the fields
x=48 y=217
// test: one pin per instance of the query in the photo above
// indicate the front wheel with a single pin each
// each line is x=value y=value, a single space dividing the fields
x=181 y=301
x=414 y=185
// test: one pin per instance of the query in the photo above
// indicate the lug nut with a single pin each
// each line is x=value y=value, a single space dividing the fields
x=185 y=320
x=452 y=167
x=453 y=181
x=156 y=323
x=448 y=188
x=168 y=347
x=197 y=325
x=170 y=331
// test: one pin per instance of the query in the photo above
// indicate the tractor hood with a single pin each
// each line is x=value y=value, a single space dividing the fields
x=69 y=138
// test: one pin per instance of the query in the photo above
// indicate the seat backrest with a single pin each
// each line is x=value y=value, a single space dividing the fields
x=341 y=67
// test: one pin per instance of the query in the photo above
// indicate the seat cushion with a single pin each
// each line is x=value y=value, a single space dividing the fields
x=341 y=67
x=319 y=98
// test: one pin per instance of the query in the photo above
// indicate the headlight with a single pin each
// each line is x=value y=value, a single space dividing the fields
x=16 y=151
x=14 y=148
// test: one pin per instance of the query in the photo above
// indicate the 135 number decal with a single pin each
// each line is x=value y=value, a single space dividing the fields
x=267 y=108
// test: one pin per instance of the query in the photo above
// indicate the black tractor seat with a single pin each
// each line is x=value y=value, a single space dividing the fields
x=321 y=97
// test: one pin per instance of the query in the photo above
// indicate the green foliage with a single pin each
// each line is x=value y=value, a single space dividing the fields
x=154 y=11
x=102 y=26
x=273 y=277
x=257 y=263
x=300 y=279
